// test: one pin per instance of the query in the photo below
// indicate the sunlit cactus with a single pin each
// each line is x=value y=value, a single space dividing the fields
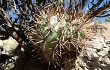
x=58 y=39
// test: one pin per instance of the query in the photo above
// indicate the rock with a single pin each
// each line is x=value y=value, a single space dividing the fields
x=7 y=58
x=94 y=56
x=1 y=43
x=8 y=45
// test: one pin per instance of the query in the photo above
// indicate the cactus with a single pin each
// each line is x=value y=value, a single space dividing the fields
x=58 y=40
